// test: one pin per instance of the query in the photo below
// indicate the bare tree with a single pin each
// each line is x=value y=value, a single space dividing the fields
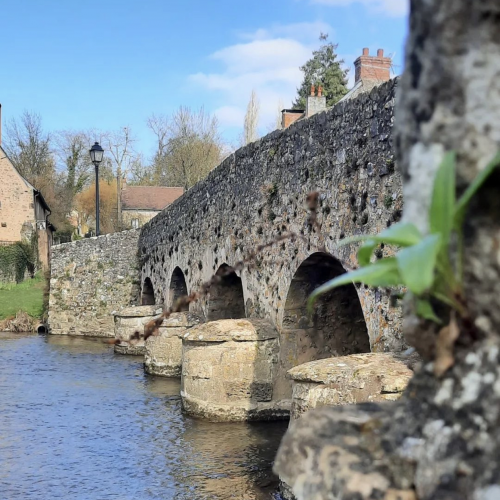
x=122 y=158
x=188 y=147
x=72 y=152
x=28 y=147
x=276 y=123
x=251 y=119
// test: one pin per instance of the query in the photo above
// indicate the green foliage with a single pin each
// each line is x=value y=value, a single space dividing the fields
x=18 y=258
x=424 y=264
x=27 y=296
x=323 y=69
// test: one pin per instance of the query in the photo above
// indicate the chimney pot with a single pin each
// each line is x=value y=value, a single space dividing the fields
x=369 y=67
x=313 y=90
x=320 y=91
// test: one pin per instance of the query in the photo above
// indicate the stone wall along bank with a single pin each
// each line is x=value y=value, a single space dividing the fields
x=91 y=279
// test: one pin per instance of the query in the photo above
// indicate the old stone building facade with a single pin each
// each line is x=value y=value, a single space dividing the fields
x=23 y=210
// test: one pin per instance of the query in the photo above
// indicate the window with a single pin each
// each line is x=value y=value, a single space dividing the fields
x=135 y=223
x=4 y=224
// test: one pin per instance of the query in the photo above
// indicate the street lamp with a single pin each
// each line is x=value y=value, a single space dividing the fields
x=96 y=154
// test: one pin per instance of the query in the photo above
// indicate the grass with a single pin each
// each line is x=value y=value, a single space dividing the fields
x=26 y=296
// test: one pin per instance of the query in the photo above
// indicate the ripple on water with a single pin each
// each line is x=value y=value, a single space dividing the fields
x=79 y=422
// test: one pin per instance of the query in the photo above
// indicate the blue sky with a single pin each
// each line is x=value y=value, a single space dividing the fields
x=111 y=63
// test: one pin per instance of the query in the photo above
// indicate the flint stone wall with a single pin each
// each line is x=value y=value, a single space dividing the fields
x=90 y=280
x=259 y=193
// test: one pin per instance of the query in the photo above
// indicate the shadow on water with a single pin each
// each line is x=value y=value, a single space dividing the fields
x=79 y=422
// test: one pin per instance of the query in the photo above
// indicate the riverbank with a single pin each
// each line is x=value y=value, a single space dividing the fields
x=24 y=300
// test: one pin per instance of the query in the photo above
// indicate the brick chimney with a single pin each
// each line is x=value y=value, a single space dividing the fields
x=375 y=68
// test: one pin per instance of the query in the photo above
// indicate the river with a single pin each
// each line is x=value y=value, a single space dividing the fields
x=80 y=422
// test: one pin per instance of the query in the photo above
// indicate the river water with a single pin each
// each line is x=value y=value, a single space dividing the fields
x=80 y=422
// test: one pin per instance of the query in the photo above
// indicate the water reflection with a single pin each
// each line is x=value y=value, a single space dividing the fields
x=77 y=421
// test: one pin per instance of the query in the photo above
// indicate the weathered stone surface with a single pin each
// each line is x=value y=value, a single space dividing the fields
x=319 y=455
x=163 y=353
x=140 y=312
x=441 y=439
x=131 y=350
x=230 y=376
x=358 y=378
x=129 y=321
x=239 y=330
x=91 y=279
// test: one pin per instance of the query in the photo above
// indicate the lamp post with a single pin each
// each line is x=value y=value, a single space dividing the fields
x=96 y=154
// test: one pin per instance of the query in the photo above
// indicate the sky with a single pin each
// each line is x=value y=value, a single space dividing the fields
x=107 y=64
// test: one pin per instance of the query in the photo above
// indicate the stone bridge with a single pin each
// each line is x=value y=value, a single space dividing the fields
x=257 y=194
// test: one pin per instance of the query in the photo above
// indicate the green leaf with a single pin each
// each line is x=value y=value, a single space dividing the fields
x=425 y=310
x=365 y=252
x=384 y=272
x=417 y=264
x=401 y=234
x=442 y=209
x=473 y=188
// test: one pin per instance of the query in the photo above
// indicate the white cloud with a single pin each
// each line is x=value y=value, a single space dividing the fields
x=231 y=116
x=391 y=7
x=268 y=61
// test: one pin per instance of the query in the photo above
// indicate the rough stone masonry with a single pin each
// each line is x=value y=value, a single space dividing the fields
x=90 y=279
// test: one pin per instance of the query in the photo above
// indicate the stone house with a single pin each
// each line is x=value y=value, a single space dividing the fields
x=139 y=204
x=370 y=71
x=23 y=210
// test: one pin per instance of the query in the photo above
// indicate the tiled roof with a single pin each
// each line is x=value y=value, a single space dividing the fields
x=149 y=197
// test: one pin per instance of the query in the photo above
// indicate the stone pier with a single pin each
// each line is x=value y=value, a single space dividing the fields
x=229 y=369
x=163 y=353
x=130 y=320
x=358 y=378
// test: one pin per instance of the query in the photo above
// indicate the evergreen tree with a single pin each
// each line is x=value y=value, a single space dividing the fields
x=323 y=69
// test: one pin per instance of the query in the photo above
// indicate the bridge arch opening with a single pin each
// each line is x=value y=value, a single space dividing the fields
x=337 y=326
x=178 y=287
x=148 y=293
x=226 y=299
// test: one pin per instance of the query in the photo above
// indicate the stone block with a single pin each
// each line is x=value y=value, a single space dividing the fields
x=228 y=371
x=358 y=378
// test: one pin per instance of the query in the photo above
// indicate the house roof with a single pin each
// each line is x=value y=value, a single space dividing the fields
x=149 y=197
x=361 y=87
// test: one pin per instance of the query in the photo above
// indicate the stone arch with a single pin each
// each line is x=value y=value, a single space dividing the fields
x=178 y=287
x=226 y=299
x=148 y=293
x=337 y=327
